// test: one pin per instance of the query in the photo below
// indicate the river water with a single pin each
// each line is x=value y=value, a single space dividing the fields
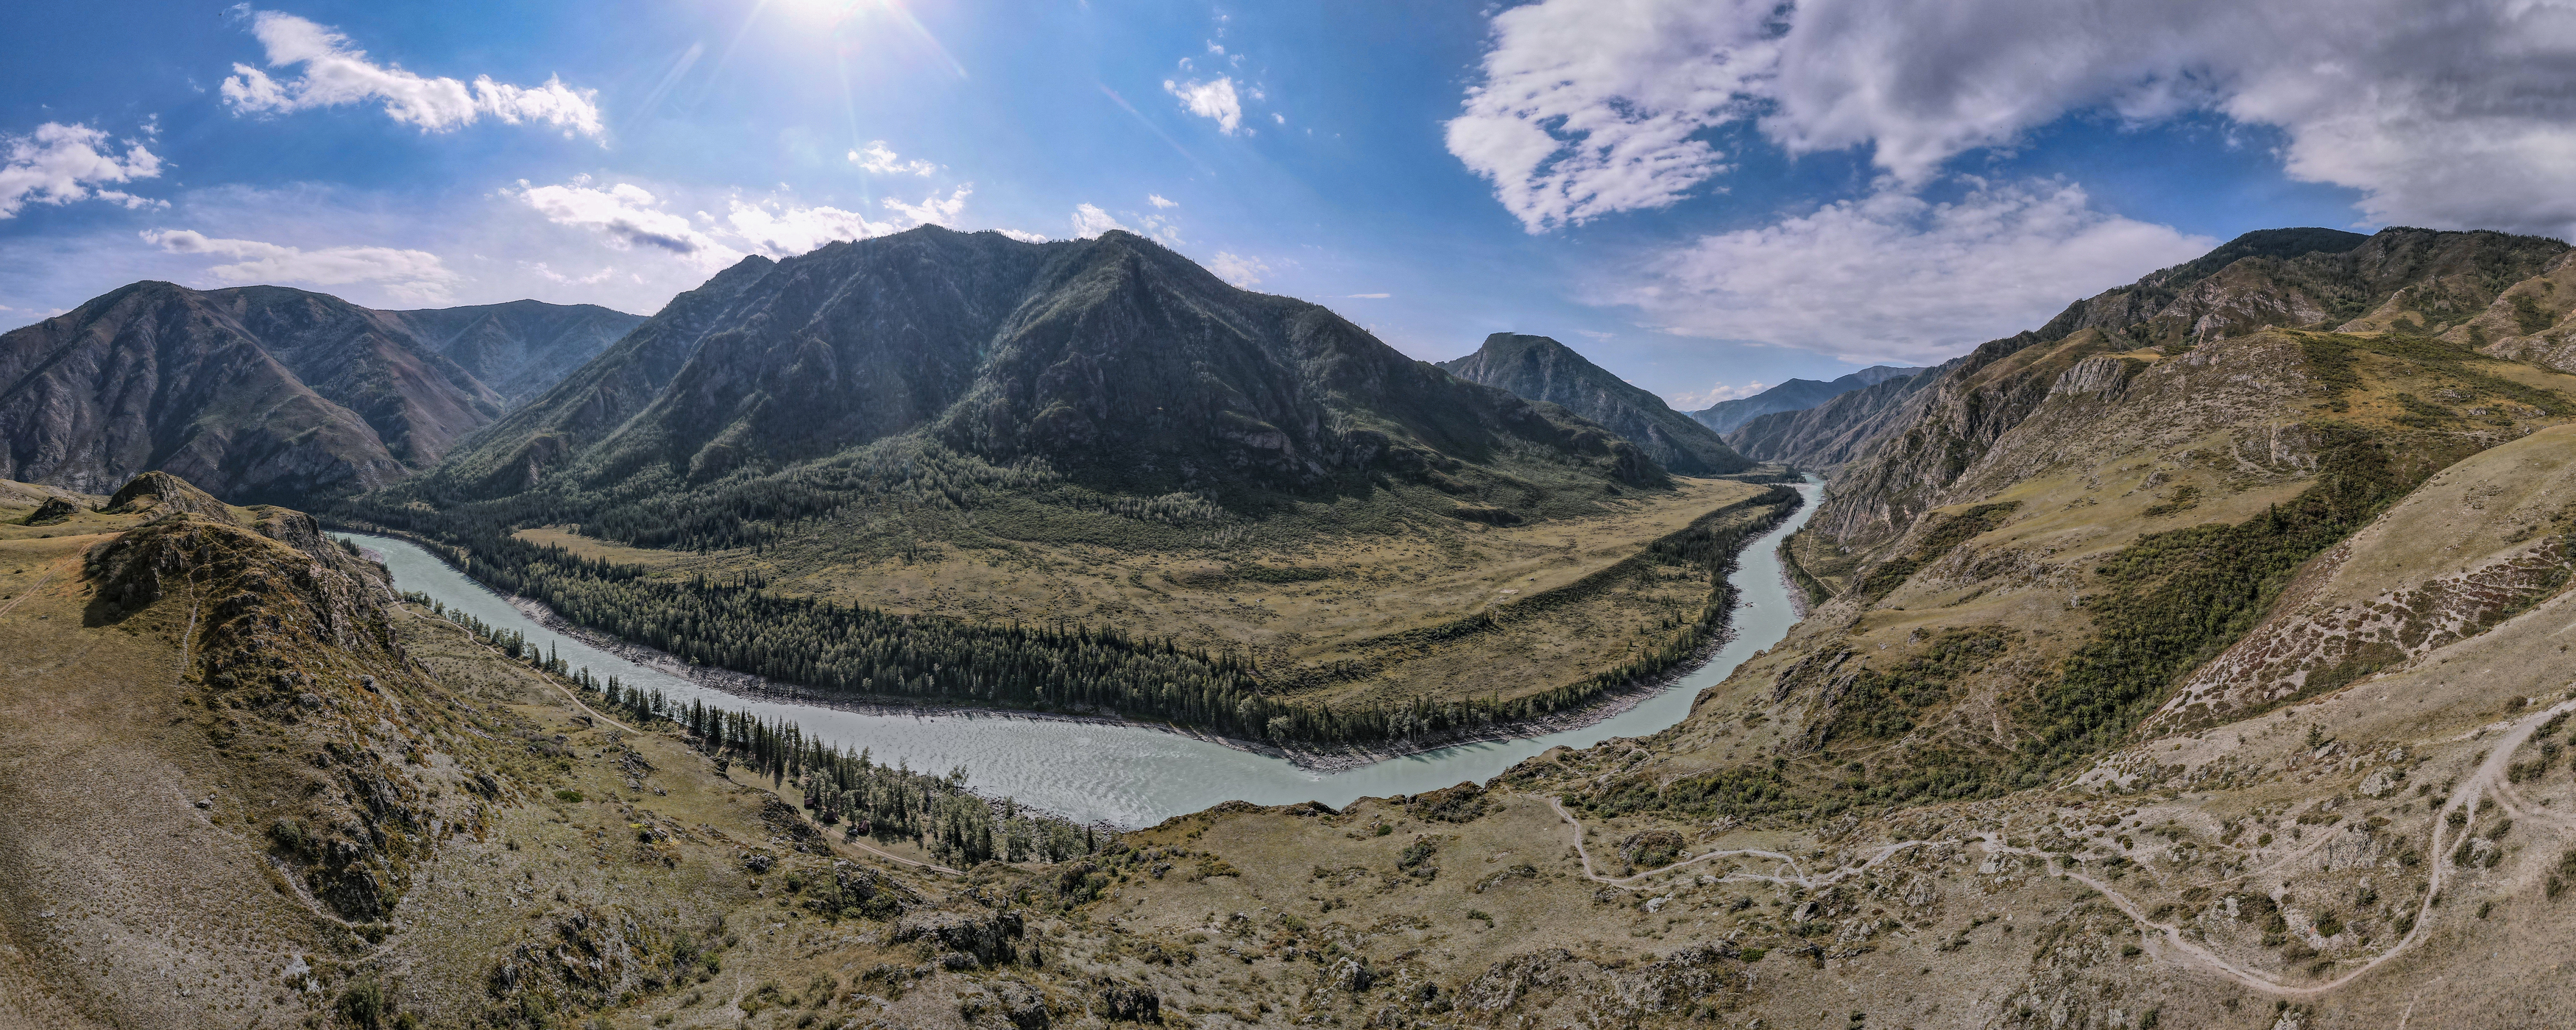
x=1130 y=775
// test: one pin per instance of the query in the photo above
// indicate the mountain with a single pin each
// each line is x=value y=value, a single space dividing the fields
x=967 y=431
x=1793 y=395
x=1113 y=360
x=262 y=393
x=519 y=348
x=1821 y=438
x=2415 y=282
x=1536 y=368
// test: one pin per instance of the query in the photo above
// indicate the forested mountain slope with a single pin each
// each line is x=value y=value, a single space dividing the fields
x=969 y=437
x=262 y=393
x=1537 y=368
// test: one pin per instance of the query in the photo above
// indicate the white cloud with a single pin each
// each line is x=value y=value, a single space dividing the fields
x=1715 y=393
x=1024 y=237
x=875 y=157
x=1892 y=277
x=1243 y=272
x=1596 y=334
x=1090 y=221
x=1589 y=108
x=932 y=210
x=409 y=274
x=334 y=74
x=1368 y=296
x=2447 y=115
x=780 y=230
x=59 y=164
x=627 y=216
x=1157 y=200
x=542 y=271
x=1212 y=99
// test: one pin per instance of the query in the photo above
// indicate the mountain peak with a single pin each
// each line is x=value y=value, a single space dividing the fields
x=1538 y=368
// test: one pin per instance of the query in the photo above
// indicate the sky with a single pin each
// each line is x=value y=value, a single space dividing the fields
x=1706 y=197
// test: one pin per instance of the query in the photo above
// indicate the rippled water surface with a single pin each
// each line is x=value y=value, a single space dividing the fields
x=1130 y=775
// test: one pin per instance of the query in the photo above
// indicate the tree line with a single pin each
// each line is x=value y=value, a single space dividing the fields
x=852 y=651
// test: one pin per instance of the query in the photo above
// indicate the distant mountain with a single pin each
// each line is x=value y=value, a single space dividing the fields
x=1114 y=361
x=1823 y=437
x=1793 y=395
x=261 y=393
x=1540 y=369
x=522 y=347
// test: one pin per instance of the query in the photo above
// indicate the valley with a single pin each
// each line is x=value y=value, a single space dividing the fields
x=2193 y=660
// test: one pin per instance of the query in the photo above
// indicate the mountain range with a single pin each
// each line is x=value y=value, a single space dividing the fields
x=263 y=393
x=1793 y=395
x=1112 y=361
x=2193 y=659
x=1541 y=369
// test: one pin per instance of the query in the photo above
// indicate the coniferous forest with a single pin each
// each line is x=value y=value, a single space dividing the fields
x=853 y=652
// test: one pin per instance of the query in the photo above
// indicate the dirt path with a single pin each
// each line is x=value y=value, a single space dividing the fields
x=39 y=584
x=1796 y=877
x=2488 y=778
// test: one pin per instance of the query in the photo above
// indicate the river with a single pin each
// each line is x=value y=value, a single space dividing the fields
x=1131 y=775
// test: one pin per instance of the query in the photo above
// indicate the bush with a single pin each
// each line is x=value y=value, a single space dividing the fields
x=568 y=796
x=363 y=1004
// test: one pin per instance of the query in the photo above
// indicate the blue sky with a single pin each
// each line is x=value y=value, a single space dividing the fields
x=1703 y=196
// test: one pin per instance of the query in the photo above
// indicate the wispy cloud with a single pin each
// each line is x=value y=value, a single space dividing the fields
x=1715 y=393
x=411 y=274
x=336 y=74
x=59 y=164
x=1157 y=200
x=1243 y=272
x=1892 y=277
x=876 y=157
x=1368 y=296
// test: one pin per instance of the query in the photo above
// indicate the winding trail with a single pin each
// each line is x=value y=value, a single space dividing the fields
x=2488 y=778
x=39 y=584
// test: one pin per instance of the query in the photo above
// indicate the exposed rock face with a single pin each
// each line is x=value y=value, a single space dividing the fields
x=1113 y=358
x=261 y=394
x=987 y=936
x=163 y=492
x=1794 y=395
x=1540 y=369
x=55 y=509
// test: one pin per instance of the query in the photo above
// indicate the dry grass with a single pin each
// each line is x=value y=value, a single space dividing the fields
x=1323 y=608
